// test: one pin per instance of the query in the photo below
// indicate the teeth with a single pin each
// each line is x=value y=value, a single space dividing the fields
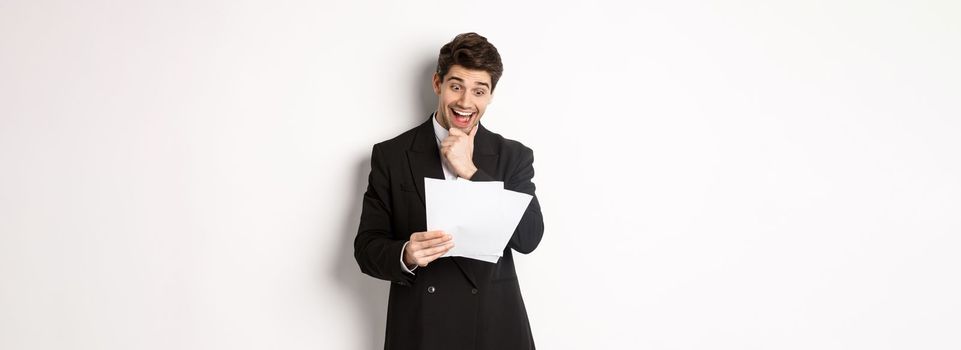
x=464 y=114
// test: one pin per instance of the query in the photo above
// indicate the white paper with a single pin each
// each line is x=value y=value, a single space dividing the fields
x=481 y=216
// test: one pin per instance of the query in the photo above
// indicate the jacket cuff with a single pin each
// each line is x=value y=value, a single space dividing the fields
x=399 y=276
x=480 y=175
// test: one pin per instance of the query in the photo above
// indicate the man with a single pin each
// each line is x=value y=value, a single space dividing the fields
x=451 y=302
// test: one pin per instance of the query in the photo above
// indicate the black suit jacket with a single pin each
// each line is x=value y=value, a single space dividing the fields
x=453 y=303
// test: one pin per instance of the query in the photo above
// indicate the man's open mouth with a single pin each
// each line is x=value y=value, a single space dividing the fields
x=462 y=118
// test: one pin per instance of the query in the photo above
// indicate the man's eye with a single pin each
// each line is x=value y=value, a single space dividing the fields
x=455 y=87
x=480 y=92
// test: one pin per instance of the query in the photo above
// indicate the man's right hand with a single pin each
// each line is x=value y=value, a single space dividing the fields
x=425 y=247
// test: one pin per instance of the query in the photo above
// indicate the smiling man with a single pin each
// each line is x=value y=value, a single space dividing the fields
x=450 y=302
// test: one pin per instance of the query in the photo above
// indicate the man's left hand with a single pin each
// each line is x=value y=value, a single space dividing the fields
x=458 y=150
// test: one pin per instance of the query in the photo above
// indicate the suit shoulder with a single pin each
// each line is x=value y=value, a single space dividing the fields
x=517 y=146
x=398 y=143
x=511 y=146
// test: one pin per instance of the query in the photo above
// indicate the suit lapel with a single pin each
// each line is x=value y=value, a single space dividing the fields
x=485 y=153
x=424 y=158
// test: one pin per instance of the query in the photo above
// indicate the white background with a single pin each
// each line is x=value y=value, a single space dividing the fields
x=713 y=175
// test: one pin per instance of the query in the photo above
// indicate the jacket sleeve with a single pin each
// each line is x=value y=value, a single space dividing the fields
x=376 y=250
x=530 y=230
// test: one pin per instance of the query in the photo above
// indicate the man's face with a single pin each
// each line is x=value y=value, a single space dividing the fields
x=462 y=96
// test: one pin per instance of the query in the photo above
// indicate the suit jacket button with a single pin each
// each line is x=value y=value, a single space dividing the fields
x=473 y=291
x=431 y=289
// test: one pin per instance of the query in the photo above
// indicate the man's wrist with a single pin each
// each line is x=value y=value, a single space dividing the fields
x=405 y=258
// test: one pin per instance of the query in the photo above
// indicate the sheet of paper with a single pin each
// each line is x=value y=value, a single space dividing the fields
x=481 y=216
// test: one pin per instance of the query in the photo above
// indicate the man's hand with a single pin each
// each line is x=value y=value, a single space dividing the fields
x=458 y=149
x=425 y=247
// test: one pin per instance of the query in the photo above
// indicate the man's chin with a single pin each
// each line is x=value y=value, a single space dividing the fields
x=468 y=129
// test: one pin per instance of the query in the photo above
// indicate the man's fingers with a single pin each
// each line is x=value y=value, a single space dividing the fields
x=429 y=245
x=422 y=245
x=450 y=140
x=426 y=235
x=443 y=248
x=429 y=255
x=433 y=234
x=430 y=259
x=432 y=242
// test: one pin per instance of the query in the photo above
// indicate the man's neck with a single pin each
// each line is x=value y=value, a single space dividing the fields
x=440 y=120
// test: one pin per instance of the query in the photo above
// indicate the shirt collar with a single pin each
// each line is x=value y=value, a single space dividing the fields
x=439 y=132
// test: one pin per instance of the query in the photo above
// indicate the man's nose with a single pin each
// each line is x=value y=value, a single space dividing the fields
x=464 y=100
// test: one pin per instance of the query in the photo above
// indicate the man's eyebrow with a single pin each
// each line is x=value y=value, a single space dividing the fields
x=462 y=81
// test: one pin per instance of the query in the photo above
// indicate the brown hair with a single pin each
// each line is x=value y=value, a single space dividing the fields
x=471 y=51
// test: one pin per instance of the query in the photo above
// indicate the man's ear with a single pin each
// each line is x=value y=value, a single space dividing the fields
x=436 y=83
